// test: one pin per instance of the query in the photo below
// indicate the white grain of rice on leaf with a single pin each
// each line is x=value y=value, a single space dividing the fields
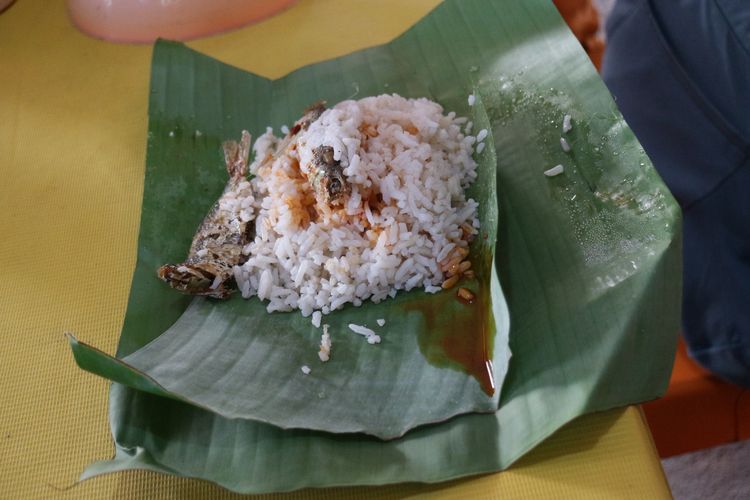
x=567 y=126
x=316 y=317
x=370 y=335
x=325 y=345
x=361 y=330
x=556 y=170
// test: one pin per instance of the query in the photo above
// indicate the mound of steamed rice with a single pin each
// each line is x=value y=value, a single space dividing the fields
x=407 y=164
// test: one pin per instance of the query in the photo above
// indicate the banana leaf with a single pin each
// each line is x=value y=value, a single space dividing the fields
x=589 y=260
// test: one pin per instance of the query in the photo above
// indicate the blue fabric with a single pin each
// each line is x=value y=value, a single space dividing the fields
x=680 y=72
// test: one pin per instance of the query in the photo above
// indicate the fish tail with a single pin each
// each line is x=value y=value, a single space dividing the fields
x=236 y=156
x=193 y=280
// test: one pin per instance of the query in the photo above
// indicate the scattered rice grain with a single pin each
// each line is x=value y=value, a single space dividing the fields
x=450 y=282
x=316 y=317
x=567 y=125
x=217 y=281
x=556 y=170
x=325 y=345
x=370 y=335
x=465 y=294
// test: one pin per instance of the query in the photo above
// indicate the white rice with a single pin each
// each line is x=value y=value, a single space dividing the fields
x=310 y=257
x=305 y=369
x=556 y=170
x=564 y=144
x=381 y=322
x=472 y=99
x=217 y=281
x=566 y=126
x=316 y=317
x=480 y=147
x=362 y=330
x=325 y=345
x=370 y=335
x=482 y=135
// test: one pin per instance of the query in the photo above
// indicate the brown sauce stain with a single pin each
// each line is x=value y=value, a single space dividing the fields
x=460 y=337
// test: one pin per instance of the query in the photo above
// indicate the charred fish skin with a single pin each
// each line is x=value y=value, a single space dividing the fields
x=217 y=245
x=311 y=114
x=327 y=177
x=192 y=280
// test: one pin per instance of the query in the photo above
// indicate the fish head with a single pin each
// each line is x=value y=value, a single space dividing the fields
x=332 y=186
x=328 y=180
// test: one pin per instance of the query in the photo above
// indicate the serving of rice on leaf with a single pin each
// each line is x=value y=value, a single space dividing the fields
x=403 y=222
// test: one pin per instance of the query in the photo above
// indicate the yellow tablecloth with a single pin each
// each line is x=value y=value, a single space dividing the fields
x=73 y=115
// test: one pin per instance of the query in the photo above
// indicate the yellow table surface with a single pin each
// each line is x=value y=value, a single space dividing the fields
x=73 y=118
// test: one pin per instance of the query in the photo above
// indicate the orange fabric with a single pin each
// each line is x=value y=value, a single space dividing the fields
x=583 y=19
x=698 y=411
x=743 y=416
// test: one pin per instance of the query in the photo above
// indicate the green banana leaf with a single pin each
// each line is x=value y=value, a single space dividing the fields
x=237 y=360
x=589 y=260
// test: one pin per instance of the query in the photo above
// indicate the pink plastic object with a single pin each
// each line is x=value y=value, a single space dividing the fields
x=143 y=21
